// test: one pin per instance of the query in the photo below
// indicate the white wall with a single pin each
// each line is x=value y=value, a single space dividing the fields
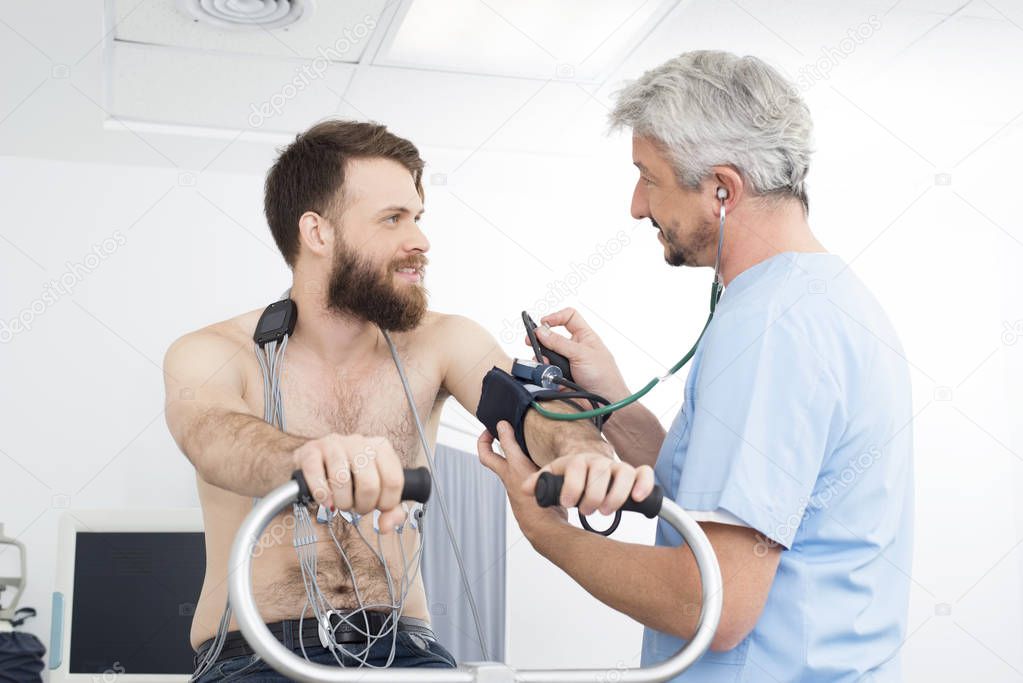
x=82 y=395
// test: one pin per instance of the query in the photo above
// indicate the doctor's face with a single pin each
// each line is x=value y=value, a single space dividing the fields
x=689 y=239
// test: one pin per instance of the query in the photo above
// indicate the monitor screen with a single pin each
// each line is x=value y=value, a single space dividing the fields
x=134 y=596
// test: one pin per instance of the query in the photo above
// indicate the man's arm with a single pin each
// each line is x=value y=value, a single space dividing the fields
x=228 y=445
x=472 y=353
x=235 y=450
x=633 y=431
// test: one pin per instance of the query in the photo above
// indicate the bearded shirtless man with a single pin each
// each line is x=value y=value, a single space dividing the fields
x=343 y=203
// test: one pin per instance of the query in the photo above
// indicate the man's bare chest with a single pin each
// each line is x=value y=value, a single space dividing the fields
x=367 y=399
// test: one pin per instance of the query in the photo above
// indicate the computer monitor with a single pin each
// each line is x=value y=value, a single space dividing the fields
x=126 y=588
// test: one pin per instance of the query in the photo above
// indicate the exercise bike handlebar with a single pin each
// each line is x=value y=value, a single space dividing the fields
x=548 y=492
x=417 y=487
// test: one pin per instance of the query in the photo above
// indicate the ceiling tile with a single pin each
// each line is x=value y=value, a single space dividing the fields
x=336 y=31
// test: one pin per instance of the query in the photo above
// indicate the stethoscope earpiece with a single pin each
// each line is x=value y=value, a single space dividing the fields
x=718 y=286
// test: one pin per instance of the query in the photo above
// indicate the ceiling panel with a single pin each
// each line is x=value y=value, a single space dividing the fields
x=574 y=40
x=337 y=31
x=450 y=110
x=193 y=88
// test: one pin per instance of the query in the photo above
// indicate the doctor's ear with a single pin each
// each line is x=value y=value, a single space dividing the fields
x=726 y=186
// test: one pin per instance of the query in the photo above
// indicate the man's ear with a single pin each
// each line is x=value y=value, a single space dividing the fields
x=730 y=180
x=316 y=233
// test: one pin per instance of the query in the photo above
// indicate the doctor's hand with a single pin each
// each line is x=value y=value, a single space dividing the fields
x=515 y=468
x=592 y=481
x=593 y=366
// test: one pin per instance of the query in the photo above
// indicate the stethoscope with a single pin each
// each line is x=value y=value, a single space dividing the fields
x=716 y=288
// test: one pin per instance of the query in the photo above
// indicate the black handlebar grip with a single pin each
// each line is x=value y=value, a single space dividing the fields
x=304 y=495
x=418 y=486
x=548 y=493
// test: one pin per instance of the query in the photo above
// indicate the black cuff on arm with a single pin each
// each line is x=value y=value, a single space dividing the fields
x=505 y=398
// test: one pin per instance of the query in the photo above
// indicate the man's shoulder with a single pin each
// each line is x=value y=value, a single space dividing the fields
x=446 y=327
x=458 y=344
x=220 y=340
x=808 y=297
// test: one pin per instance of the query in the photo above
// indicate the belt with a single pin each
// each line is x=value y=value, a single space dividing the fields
x=289 y=634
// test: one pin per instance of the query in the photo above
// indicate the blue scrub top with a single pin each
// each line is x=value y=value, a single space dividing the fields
x=797 y=420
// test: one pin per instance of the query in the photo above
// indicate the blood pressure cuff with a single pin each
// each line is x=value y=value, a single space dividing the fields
x=505 y=398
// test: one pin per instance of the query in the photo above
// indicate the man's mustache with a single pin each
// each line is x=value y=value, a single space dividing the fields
x=419 y=263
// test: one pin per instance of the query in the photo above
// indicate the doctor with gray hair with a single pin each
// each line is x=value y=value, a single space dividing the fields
x=793 y=446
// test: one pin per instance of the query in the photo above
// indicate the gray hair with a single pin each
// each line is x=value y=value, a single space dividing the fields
x=710 y=108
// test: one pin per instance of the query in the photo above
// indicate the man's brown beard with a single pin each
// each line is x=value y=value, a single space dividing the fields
x=360 y=289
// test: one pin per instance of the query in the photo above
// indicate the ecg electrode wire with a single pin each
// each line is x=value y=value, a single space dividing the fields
x=271 y=363
x=351 y=570
x=390 y=626
x=211 y=655
x=394 y=608
x=317 y=601
x=271 y=366
x=438 y=492
x=279 y=372
x=321 y=608
x=274 y=414
x=265 y=371
x=406 y=566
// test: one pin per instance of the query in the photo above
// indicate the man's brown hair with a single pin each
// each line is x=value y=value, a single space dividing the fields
x=309 y=174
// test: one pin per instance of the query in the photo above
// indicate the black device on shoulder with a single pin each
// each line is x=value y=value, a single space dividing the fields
x=277 y=322
x=540 y=350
